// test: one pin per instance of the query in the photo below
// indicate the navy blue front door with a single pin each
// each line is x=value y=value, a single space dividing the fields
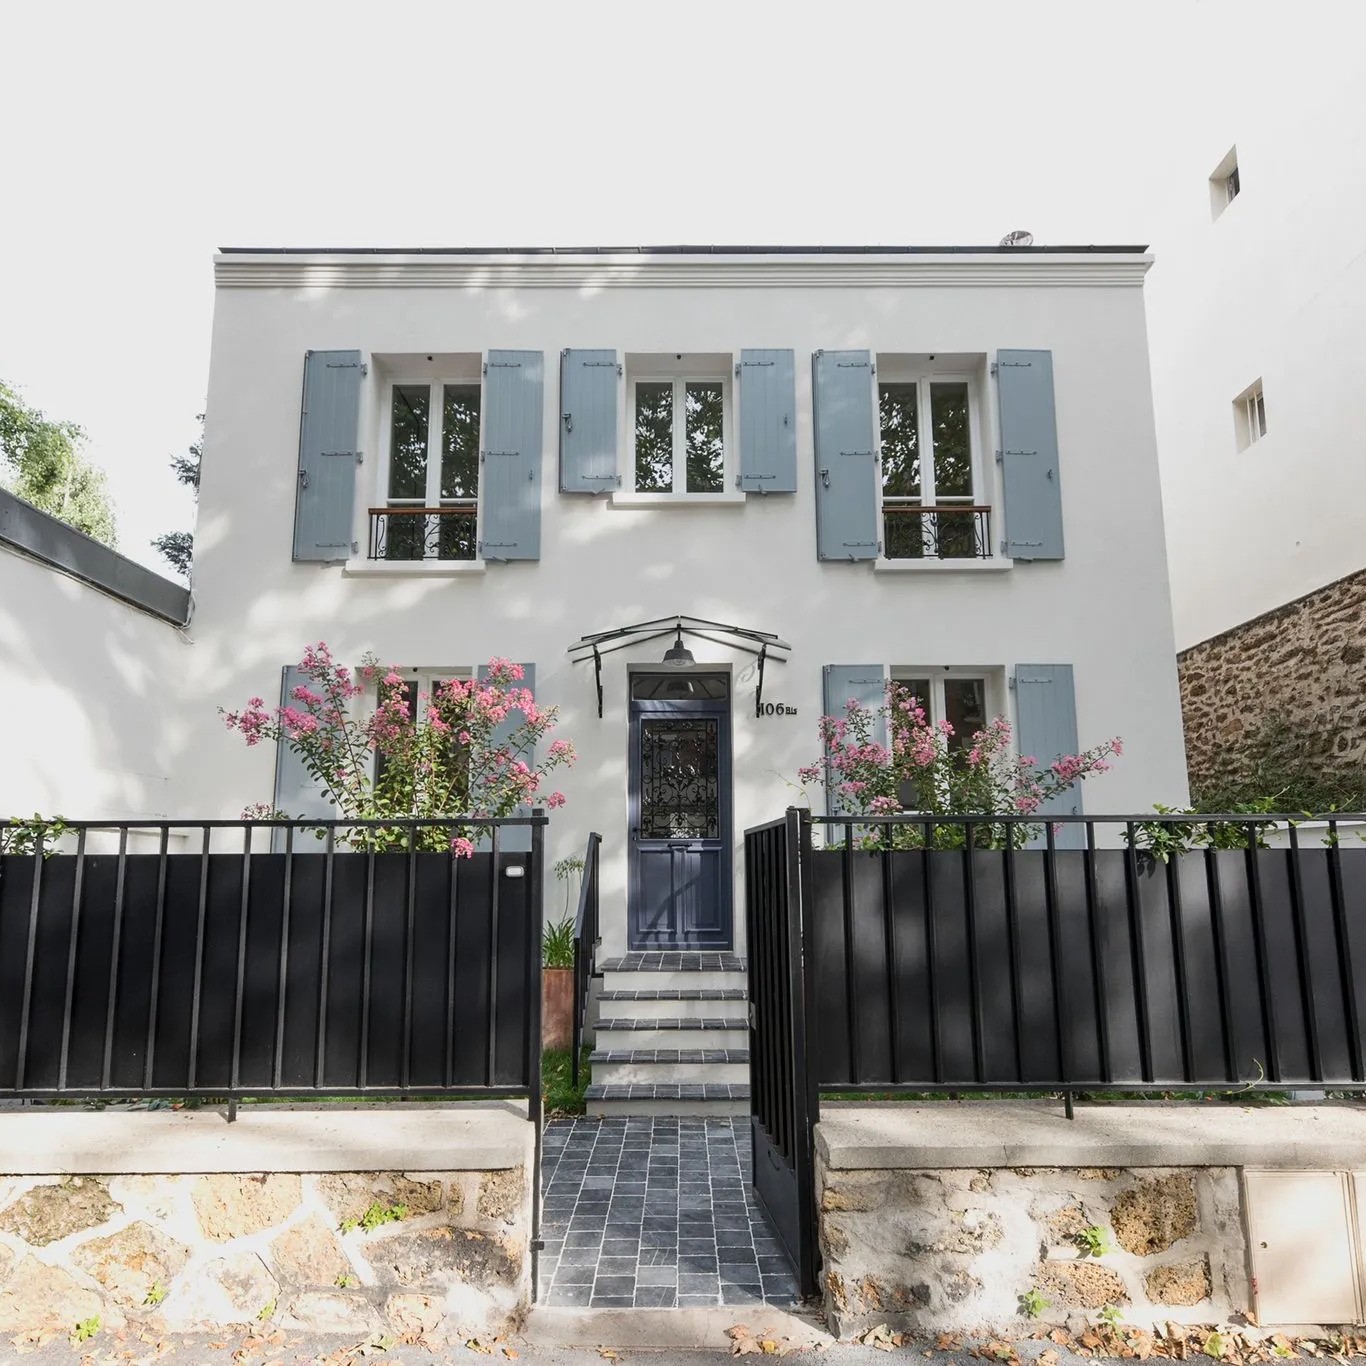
x=680 y=813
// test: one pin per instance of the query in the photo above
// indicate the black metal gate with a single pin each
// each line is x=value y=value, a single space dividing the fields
x=784 y=1098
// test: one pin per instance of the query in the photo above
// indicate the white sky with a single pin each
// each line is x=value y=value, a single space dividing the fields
x=138 y=137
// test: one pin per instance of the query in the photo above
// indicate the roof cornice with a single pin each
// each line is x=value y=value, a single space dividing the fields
x=398 y=270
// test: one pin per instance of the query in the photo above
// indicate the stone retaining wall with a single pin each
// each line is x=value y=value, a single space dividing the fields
x=444 y=1254
x=956 y=1249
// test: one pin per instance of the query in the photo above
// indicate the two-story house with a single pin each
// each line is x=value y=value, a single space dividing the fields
x=704 y=495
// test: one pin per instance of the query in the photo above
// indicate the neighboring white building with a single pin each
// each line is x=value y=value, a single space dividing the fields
x=1256 y=310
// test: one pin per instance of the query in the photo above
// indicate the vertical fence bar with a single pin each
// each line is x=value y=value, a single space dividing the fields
x=889 y=952
x=366 y=967
x=239 y=990
x=850 y=992
x=801 y=971
x=1099 y=986
x=196 y=992
x=324 y=957
x=115 y=952
x=153 y=1005
x=491 y=1056
x=1223 y=972
x=410 y=911
x=1059 y=980
x=282 y=981
x=532 y=1069
x=932 y=954
x=1306 y=972
x=1183 y=1010
x=1254 y=887
x=1347 y=978
x=1013 y=950
x=1139 y=960
x=452 y=910
x=69 y=1000
x=975 y=1005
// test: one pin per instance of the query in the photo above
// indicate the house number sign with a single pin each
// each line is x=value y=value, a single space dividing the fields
x=776 y=709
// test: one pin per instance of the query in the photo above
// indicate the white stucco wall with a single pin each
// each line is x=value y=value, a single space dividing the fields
x=1275 y=288
x=1104 y=609
x=90 y=692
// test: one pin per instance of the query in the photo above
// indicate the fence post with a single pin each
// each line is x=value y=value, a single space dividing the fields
x=801 y=967
x=535 y=931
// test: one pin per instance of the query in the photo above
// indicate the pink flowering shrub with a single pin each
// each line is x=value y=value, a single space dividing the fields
x=447 y=758
x=921 y=771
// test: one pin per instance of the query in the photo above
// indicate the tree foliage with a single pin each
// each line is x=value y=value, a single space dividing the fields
x=177 y=547
x=42 y=462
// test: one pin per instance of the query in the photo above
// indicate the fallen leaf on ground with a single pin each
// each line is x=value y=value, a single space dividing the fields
x=948 y=1342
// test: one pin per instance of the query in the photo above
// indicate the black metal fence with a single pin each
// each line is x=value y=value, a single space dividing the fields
x=174 y=959
x=587 y=935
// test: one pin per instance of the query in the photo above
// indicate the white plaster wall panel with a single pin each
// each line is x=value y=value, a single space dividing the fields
x=1104 y=609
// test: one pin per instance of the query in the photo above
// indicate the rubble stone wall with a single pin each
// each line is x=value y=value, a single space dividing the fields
x=957 y=1249
x=441 y=1254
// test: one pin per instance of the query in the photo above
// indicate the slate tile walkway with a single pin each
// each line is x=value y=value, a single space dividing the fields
x=655 y=1213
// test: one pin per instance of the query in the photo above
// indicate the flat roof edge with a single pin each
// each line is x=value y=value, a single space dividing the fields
x=1091 y=249
x=34 y=533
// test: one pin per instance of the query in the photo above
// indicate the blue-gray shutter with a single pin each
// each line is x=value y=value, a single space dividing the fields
x=1029 y=455
x=768 y=421
x=588 y=421
x=867 y=685
x=329 y=432
x=514 y=839
x=510 y=428
x=297 y=791
x=1046 y=728
x=846 y=465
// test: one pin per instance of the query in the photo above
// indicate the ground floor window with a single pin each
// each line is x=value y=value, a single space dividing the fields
x=965 y=699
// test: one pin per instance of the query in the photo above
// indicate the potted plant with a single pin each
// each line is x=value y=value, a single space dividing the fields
x=557 y=984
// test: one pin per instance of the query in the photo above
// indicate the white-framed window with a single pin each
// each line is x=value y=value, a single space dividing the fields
x=429 y=470
x=417 y=682
x=934 y=504
x=967 y=698
x=679 y=418
x=1224 y=183
x=1249 y=416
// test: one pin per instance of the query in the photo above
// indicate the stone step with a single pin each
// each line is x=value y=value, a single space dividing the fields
x=674 y=972
x=674 y=1002
x=625 y=1032
x=696 y=1066
x=674 y=961
x=644 y=1098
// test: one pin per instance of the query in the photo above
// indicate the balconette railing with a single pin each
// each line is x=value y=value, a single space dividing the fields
x=448 y=532
x=952 y=531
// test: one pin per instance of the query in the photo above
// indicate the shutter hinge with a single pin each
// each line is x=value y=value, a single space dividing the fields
x=737 y=369
x=484 y=369
x=1005 y=547
x=364 y=369
x=1000 y=457
x=995 y=369
x=619 y=370
x=1010 y=682
x=355 y=547
x=360 y=457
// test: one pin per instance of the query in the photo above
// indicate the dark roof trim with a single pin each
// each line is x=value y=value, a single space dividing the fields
x=895 y=250
x=34 y=533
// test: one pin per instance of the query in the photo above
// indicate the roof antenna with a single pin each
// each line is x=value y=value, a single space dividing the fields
x=1018 y=238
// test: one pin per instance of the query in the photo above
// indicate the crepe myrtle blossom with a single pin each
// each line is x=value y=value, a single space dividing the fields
x=919 y=768
x=469 y=747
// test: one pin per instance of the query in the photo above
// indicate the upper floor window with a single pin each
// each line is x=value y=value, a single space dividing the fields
x=678 y=419
x=1224 y=183
x=932 y=502
x=1249 y=416
x=432 y=483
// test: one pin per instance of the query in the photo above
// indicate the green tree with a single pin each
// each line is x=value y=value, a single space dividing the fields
x=43 y=464
x=177 y=547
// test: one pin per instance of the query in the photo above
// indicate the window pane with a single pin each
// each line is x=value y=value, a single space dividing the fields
x=898 y=410
x=408 y=441
x=919 y=688
x=655 y=437
x=965 y=707
x=404 y=536
x=455 y=535
x=460 y=441
x=703 y=412
x=952 y=448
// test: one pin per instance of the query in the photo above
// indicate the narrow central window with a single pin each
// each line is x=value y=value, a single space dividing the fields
x=432 y=497
x=679 y=435
x=930 y=507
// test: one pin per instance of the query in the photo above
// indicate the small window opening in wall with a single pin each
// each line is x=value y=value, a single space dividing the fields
x=1224 y=184
x=1249 y=416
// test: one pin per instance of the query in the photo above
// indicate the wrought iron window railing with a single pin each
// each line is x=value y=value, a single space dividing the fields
x=448 y=532
x=912 y=530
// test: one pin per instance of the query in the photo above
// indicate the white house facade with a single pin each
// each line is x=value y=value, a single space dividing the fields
x=512 y=453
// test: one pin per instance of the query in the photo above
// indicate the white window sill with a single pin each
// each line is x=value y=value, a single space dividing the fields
x=420 y=569
x=630 y=499
x=995 y=565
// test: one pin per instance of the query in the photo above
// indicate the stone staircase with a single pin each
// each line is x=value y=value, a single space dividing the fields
x=672 y=1036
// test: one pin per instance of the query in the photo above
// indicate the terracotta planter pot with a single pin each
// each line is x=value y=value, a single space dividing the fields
x=557 y=1007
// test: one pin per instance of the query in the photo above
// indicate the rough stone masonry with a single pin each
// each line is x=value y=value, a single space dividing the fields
x=440 y=1253
x=960 y=1248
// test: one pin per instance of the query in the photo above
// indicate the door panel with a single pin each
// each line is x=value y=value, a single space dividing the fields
x=680 y=882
